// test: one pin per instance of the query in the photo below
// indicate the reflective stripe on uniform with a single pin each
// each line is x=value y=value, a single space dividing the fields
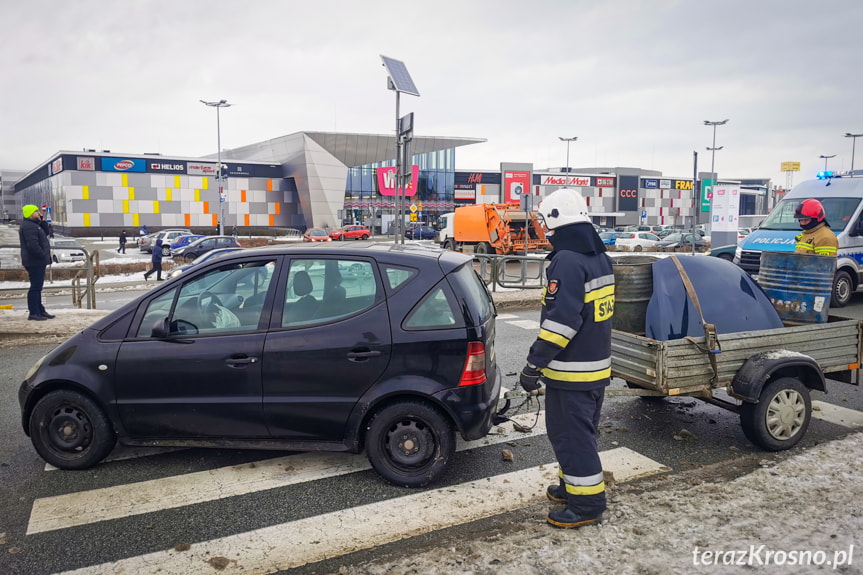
x=578 y=371
x=558 y=328
x=599 y=293
x=805 y=246
x=552 y=337
x=825 y=251
x=599 y=282
x=590 y=485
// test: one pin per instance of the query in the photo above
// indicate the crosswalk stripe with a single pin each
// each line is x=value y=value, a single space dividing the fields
x=525 y=323
x=503 y=316
x=85 y=507
x=837 y=414
x=337 y=533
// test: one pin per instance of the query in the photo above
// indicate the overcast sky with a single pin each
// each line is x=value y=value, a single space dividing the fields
x=633 y=80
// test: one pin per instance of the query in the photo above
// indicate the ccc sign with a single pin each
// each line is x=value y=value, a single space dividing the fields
x=628 y=193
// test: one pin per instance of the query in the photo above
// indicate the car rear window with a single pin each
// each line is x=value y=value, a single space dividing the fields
x=471 y=289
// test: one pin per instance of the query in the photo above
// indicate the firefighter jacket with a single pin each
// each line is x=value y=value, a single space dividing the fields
x=573 y=348
x=820 y=240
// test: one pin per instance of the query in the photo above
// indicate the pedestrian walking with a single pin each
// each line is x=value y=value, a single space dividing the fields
x=35 y=257
x=122 y=248
x=572 y=356
x=234 y=233
x=156 y=260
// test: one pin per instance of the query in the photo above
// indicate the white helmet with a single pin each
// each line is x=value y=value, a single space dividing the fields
x=563 y=207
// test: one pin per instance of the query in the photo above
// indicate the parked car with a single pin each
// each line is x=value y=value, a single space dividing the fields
x=679 y=241
x=199 y=260
x=205 y=244
x=351 y=233
x=742 y=233
x=66 y=250
x=387 y=349
x=724 y=252
x=316 y=235
x=608 y=238
x=421 y=233
x=636 y=241
x=184 y=241
x=146 y=243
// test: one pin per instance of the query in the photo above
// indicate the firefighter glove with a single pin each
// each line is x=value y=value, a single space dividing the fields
x=529 y=378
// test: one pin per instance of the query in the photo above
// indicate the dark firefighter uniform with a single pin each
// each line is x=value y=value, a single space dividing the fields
x=820 y=240
x=573 y=355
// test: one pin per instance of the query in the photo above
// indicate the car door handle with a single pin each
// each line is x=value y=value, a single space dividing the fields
x=240 y=361
x=362 y=355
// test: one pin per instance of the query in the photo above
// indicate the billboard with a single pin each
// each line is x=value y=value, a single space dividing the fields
x=123 y=165
x=726 y=207
x=387 y=181
x=515 y=184
x=627 y=195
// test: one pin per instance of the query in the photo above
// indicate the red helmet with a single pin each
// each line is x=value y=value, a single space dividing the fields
x=810 y=208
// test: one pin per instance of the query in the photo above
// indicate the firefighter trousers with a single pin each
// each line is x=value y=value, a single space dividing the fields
x=572 y=420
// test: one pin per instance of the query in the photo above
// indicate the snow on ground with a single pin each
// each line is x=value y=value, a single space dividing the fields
x=802 y=515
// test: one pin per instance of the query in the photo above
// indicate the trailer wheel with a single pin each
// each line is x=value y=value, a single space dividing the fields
x=780 y=418
x=843 y=287
x=482 y=248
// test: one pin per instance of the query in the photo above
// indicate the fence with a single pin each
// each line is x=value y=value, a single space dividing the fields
x=85 y=293
x=513 y=272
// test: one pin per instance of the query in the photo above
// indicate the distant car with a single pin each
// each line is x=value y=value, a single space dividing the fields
x=351 y=233
x=184 y=241
x=385 y=350
x=742 y=233
x=146 y=243
x=609 y=238
x=206 y=256
x=316 y=235
x=678 y=241
x=636 y=241
x=421 y=233
x=66 y=250
x=723 y=252
x=205 y=244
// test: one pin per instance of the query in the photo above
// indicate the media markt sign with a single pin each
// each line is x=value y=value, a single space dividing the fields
x=706 y=194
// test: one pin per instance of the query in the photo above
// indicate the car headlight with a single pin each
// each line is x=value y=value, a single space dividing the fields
x=737 y=253
x=32 y=371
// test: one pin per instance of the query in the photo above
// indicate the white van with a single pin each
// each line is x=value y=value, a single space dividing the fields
x=842 y=198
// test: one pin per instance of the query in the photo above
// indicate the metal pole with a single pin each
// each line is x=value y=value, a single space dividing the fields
x=853 y=147
x=695 y=201
x=397 y=228
x=219 y=170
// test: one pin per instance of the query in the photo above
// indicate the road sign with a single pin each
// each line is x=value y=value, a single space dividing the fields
x=413 y=208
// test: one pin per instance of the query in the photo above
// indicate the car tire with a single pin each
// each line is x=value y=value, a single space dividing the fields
x=410 y=443
x=482 y=248
x=166 y=250
x=637 y=248
x=364 y=237
x=342 y=238
x=70 y=431
x=780 y=418
x=843 y=288
x=56 y=261
x=448 y=245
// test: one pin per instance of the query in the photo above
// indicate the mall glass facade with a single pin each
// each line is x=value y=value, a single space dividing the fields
x=435 y=190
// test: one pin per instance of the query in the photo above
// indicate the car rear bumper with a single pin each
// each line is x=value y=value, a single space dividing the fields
x=473 y=406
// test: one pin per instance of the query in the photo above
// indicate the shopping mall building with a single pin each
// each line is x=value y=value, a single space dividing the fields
x=322 y=179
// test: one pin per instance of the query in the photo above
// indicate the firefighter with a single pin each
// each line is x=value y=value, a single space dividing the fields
x=572 y=355
x=817 y=237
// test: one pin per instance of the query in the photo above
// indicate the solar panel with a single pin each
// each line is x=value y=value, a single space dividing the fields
x=399 y=75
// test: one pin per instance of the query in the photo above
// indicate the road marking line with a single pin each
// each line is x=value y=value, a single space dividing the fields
x=506 y=316
x=333 y=534
x=525 y=323
x=85 y=507
x=837 y=414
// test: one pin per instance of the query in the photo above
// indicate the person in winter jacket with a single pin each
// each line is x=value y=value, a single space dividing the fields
x=572 y=356
x=123 y=240
x=817 y=237
x=156 y=258
x=35 y=257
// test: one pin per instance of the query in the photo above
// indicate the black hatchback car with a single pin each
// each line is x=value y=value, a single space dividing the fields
x=307 y=347
x=203 y=245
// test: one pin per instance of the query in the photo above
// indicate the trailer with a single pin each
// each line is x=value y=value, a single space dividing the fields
x=765 y=376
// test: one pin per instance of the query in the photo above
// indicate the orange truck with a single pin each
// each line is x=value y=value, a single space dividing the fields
x=502 y=229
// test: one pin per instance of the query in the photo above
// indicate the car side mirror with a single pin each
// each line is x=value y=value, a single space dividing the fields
x=161 y=328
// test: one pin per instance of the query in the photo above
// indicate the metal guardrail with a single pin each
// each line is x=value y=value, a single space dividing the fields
x=515 y=272
x=89 y=274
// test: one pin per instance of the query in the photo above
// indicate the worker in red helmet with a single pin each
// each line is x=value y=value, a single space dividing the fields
x=817 y=237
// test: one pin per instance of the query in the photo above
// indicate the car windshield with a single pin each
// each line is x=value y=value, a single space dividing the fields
x=839 y=212
x=318 y=232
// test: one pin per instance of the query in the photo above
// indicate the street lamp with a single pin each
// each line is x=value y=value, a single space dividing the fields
x=567 y=140
x=218 y=105
x=712 y=151
x=853 y=145
x=825 y=160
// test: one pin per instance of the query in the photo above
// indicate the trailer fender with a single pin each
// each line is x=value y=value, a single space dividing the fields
x=762 y=367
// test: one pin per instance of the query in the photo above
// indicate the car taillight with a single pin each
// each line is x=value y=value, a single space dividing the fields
x=474 y=366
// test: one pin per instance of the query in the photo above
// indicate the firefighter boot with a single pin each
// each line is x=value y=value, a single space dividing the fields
x=556 y=493
x=569 y=519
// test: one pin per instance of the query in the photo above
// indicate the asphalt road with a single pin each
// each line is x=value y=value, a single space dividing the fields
x=175 y=488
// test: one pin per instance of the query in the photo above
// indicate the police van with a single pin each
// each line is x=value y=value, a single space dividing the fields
x=841 y=194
